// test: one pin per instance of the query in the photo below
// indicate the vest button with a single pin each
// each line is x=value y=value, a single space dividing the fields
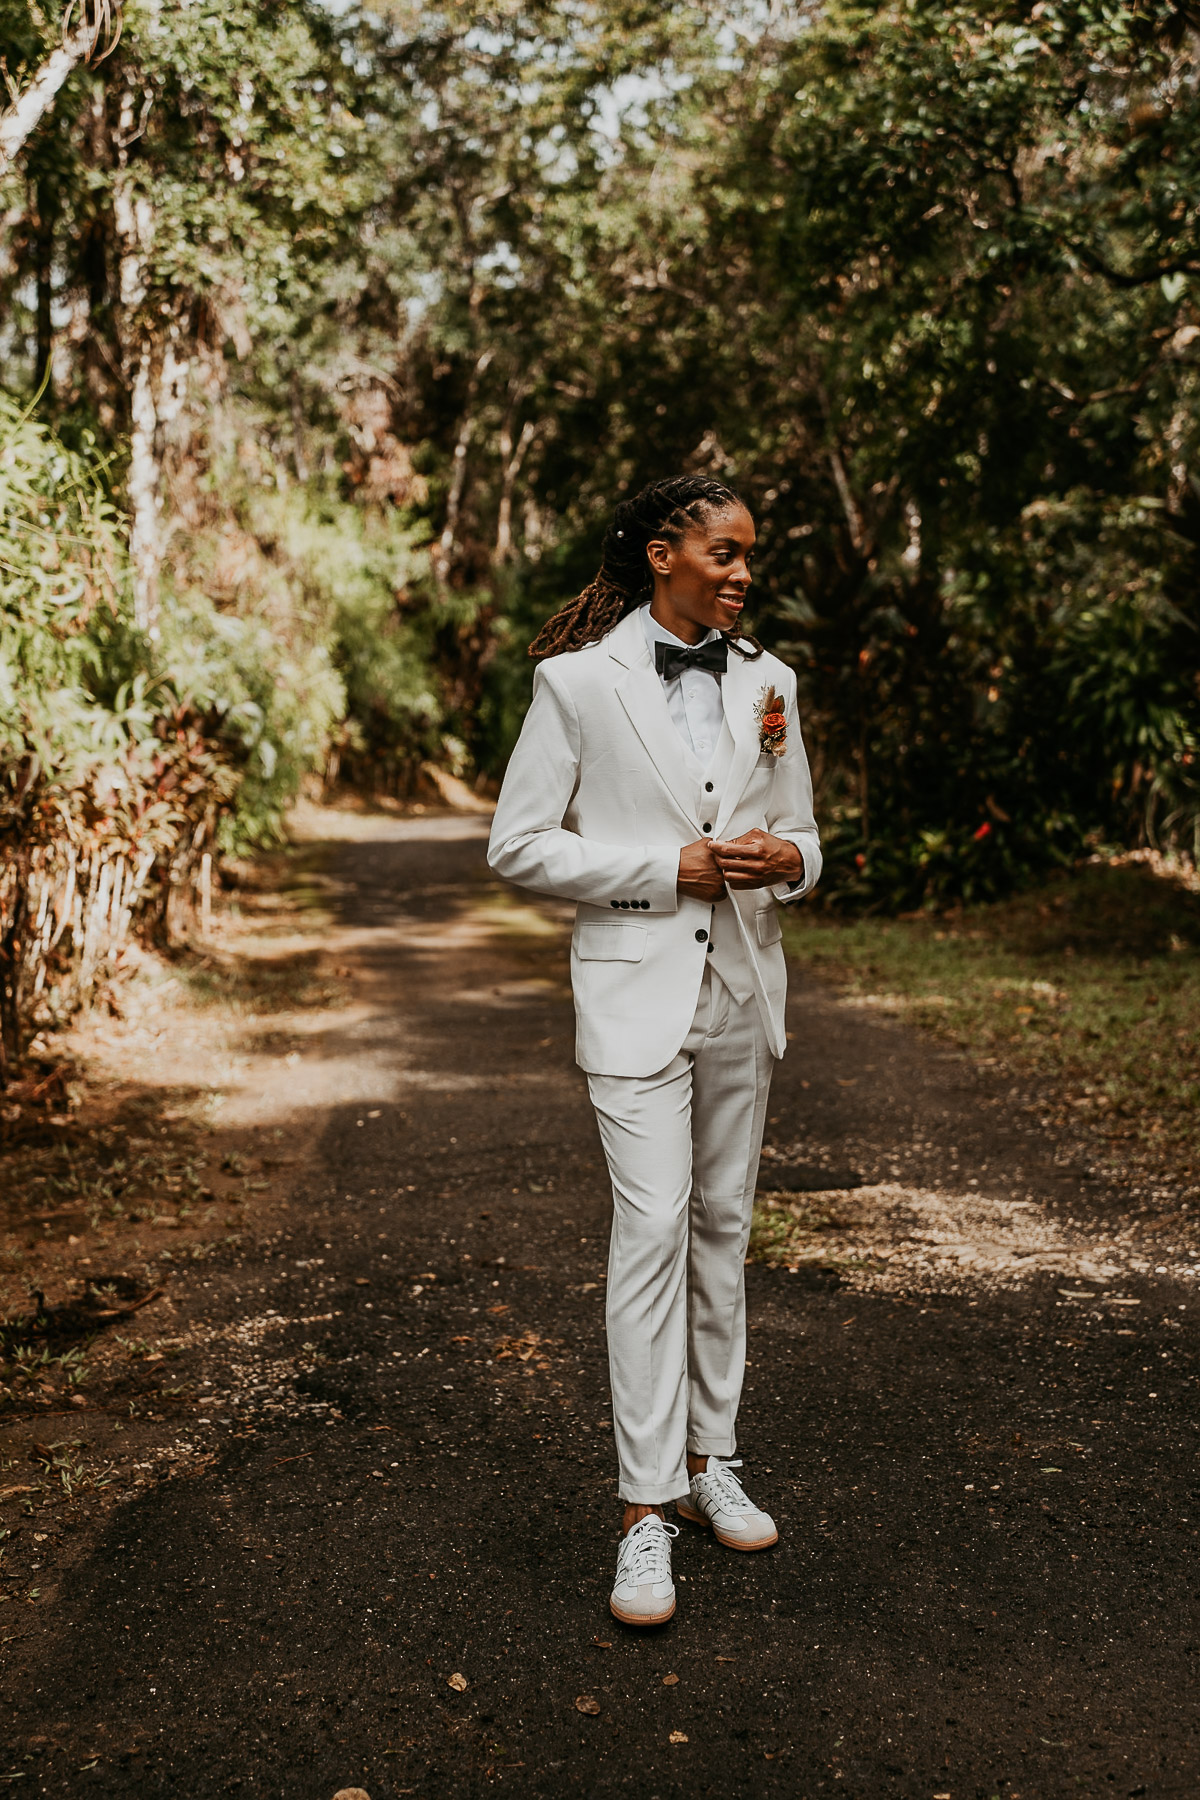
x=707 y=827
x=711 y=948
x=702 y=937
x=708 y=787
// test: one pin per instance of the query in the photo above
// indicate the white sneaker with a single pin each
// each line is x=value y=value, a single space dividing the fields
x=644 y=1593
x=718 y=1499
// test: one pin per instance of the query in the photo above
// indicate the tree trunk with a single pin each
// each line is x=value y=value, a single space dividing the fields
x=443 y=554
x=145 y=495
x=510 y=462
x=133 y=216
x=21 y=119
x=45 y=203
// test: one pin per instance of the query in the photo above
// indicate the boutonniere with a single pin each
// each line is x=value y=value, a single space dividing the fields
x=772 y=722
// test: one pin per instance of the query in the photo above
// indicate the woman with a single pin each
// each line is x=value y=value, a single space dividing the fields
x=660 y=781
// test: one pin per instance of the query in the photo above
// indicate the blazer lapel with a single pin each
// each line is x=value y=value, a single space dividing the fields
x=739 y=692
x=641 y=694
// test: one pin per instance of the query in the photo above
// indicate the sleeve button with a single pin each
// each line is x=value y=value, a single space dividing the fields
x=614 y=903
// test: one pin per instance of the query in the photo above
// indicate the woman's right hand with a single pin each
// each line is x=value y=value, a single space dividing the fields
x=700 y=876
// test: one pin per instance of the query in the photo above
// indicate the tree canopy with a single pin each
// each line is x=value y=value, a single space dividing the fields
x=362 y=317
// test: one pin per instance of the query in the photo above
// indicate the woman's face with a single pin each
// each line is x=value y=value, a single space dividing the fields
x=701 y=581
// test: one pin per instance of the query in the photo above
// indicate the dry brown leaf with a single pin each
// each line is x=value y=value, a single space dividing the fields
x=458 y=1683
x=670 y=1681
x=678 y=1737
x=584 y=1703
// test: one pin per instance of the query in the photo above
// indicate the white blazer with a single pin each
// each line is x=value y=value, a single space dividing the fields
x=598 y=801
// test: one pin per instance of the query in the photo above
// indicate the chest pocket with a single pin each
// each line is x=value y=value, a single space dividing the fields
x=610 y=943
x=768 y=926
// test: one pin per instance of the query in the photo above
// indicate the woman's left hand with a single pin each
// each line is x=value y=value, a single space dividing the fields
x=757 y=860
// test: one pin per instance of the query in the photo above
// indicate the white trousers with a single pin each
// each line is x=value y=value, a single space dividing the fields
x=683 y=1148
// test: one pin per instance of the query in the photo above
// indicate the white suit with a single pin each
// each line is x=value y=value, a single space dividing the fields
x=679 y=1008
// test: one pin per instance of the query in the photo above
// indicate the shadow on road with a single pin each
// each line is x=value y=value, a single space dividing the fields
x=389 y=1567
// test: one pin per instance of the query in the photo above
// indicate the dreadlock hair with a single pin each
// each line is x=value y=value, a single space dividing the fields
x=662 y=510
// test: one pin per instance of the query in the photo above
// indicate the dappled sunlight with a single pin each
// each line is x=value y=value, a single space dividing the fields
x=889 y=1238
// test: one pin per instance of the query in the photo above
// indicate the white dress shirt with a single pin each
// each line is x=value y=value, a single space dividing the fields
x=693 y=698
x=697 y=707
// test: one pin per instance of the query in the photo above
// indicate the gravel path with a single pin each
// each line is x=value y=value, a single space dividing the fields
x=970 y=1407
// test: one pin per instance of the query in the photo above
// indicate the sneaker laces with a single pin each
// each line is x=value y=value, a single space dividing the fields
x=725 y=1488
x=646 y=1550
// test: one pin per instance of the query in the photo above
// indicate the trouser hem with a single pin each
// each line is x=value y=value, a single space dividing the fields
x=654 y=1493
x=725 y=1448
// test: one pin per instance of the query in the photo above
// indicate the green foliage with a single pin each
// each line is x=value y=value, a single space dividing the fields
x=361 y=569
x=441 y=282
x=67 y=763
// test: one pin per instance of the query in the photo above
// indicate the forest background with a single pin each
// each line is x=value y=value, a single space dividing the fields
x=328 y=337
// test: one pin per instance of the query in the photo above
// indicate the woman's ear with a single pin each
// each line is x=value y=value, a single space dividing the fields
x=658 y=555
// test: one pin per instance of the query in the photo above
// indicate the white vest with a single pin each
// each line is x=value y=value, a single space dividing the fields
x=727 y=958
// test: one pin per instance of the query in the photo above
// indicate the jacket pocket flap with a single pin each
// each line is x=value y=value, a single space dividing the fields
x=768 y=926
x=610 y=943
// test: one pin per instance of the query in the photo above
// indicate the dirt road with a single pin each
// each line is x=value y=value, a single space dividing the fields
x=972 y=1410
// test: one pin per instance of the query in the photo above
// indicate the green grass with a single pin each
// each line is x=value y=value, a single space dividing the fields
x=1090 y=983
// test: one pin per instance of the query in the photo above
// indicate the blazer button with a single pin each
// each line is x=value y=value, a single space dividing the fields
x=702 y=937
x=708 y=787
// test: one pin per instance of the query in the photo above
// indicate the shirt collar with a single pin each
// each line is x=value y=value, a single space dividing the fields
x=658 y=634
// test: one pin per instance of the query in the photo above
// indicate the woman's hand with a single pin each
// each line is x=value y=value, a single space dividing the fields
x=757 y=860
x=699 y=875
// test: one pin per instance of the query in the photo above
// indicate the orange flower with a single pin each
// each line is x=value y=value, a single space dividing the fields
x=773 y=722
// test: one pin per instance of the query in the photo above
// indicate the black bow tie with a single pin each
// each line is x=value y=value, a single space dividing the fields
x=671 y=661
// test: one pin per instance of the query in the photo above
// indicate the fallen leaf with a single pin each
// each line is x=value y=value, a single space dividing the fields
x=458 y=1683
x=584 y=1703
x=726 y=1659
x=670 y=1681
x=602 y=1643
x=678 y=1737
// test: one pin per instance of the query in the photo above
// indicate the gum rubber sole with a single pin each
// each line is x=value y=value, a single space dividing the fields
x=640 y=1618
x=694 y=1518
